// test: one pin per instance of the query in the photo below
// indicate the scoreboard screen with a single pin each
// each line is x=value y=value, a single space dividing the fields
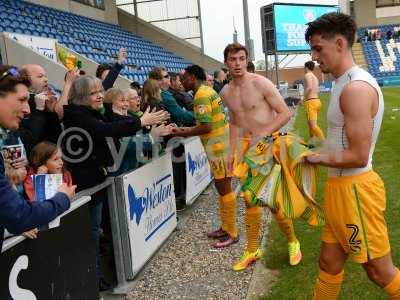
x=290 y=24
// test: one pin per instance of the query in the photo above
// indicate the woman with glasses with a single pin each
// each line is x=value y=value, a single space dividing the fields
x=134 y=101
x=86 y=149
x=179 y=116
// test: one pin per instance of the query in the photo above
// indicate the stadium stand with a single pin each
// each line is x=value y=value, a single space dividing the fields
x=382 y=55
x=98 y=41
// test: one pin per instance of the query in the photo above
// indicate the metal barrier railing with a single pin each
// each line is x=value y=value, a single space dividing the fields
x=119 y=219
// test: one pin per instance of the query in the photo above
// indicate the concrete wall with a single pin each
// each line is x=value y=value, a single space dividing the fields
x=110 y=14
x=388 y=15
x=167 y=41
x=344 y=6
x=391 y=11
x=365 y=12
x=389 y=20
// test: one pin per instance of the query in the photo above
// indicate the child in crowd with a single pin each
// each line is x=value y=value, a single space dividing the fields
x=46 y=158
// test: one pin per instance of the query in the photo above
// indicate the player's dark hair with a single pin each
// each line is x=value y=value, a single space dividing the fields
x=310 y=65
x=331 y=24
x=197 y=71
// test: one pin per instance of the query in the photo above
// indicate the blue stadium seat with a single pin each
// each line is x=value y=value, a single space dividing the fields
x=372 y=55
x=86 y=35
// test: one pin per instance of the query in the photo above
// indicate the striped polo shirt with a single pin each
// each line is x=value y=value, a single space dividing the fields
x=208 y=109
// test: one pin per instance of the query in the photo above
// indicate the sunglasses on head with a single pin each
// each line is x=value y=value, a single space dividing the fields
x=10 y=72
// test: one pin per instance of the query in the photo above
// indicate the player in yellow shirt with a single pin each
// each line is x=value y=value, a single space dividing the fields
x=213 y=129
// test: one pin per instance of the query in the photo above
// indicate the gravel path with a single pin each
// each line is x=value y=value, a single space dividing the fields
x=188 y=267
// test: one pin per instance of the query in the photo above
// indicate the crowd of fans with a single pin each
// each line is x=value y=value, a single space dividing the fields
x=136 y=116
x=376 y=34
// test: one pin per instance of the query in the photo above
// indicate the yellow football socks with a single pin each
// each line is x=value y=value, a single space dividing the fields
x=327 y=286
x=229 y=216
x=393 y=288
x=222 y=213
x=286 y=226
x=253 y=226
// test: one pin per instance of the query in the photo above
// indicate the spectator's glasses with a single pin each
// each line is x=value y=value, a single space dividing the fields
x=10 y=72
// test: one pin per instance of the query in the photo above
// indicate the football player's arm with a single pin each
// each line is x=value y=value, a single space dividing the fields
x=356 y=103
x=233 y=128
x=201 y=129
x=277 y=104
x=203 y=114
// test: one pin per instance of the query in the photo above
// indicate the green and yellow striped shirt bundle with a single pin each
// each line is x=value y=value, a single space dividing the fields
x=280 y=179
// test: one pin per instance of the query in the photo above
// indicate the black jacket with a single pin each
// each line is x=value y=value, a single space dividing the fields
x=111 y=116
x=112 y=76
x=90 y=152
x=184 y=99
x=38 y=126
x=218 y=86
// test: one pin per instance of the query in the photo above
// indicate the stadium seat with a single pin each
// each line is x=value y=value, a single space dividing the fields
x=83 y=34
x=382 y=56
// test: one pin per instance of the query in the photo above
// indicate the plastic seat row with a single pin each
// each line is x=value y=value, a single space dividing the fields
x=86 y=36
x=382 y=56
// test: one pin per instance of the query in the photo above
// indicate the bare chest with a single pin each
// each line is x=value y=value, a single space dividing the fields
x=243 y=98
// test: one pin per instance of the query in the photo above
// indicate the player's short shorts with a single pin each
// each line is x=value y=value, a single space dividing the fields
x=219 y=168
x=254 y=154
x=219 y=163
x=239 y=167
x=217 y=157
x=354 y=208
x=312 y=107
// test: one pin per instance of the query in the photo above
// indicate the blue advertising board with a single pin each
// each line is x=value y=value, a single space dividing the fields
x=290 y=25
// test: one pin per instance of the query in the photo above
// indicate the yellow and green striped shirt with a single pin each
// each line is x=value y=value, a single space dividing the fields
x=208 y=109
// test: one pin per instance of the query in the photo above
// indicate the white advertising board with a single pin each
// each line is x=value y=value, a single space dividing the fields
x=44 y=46
x=151 y=210
x=198 y=172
